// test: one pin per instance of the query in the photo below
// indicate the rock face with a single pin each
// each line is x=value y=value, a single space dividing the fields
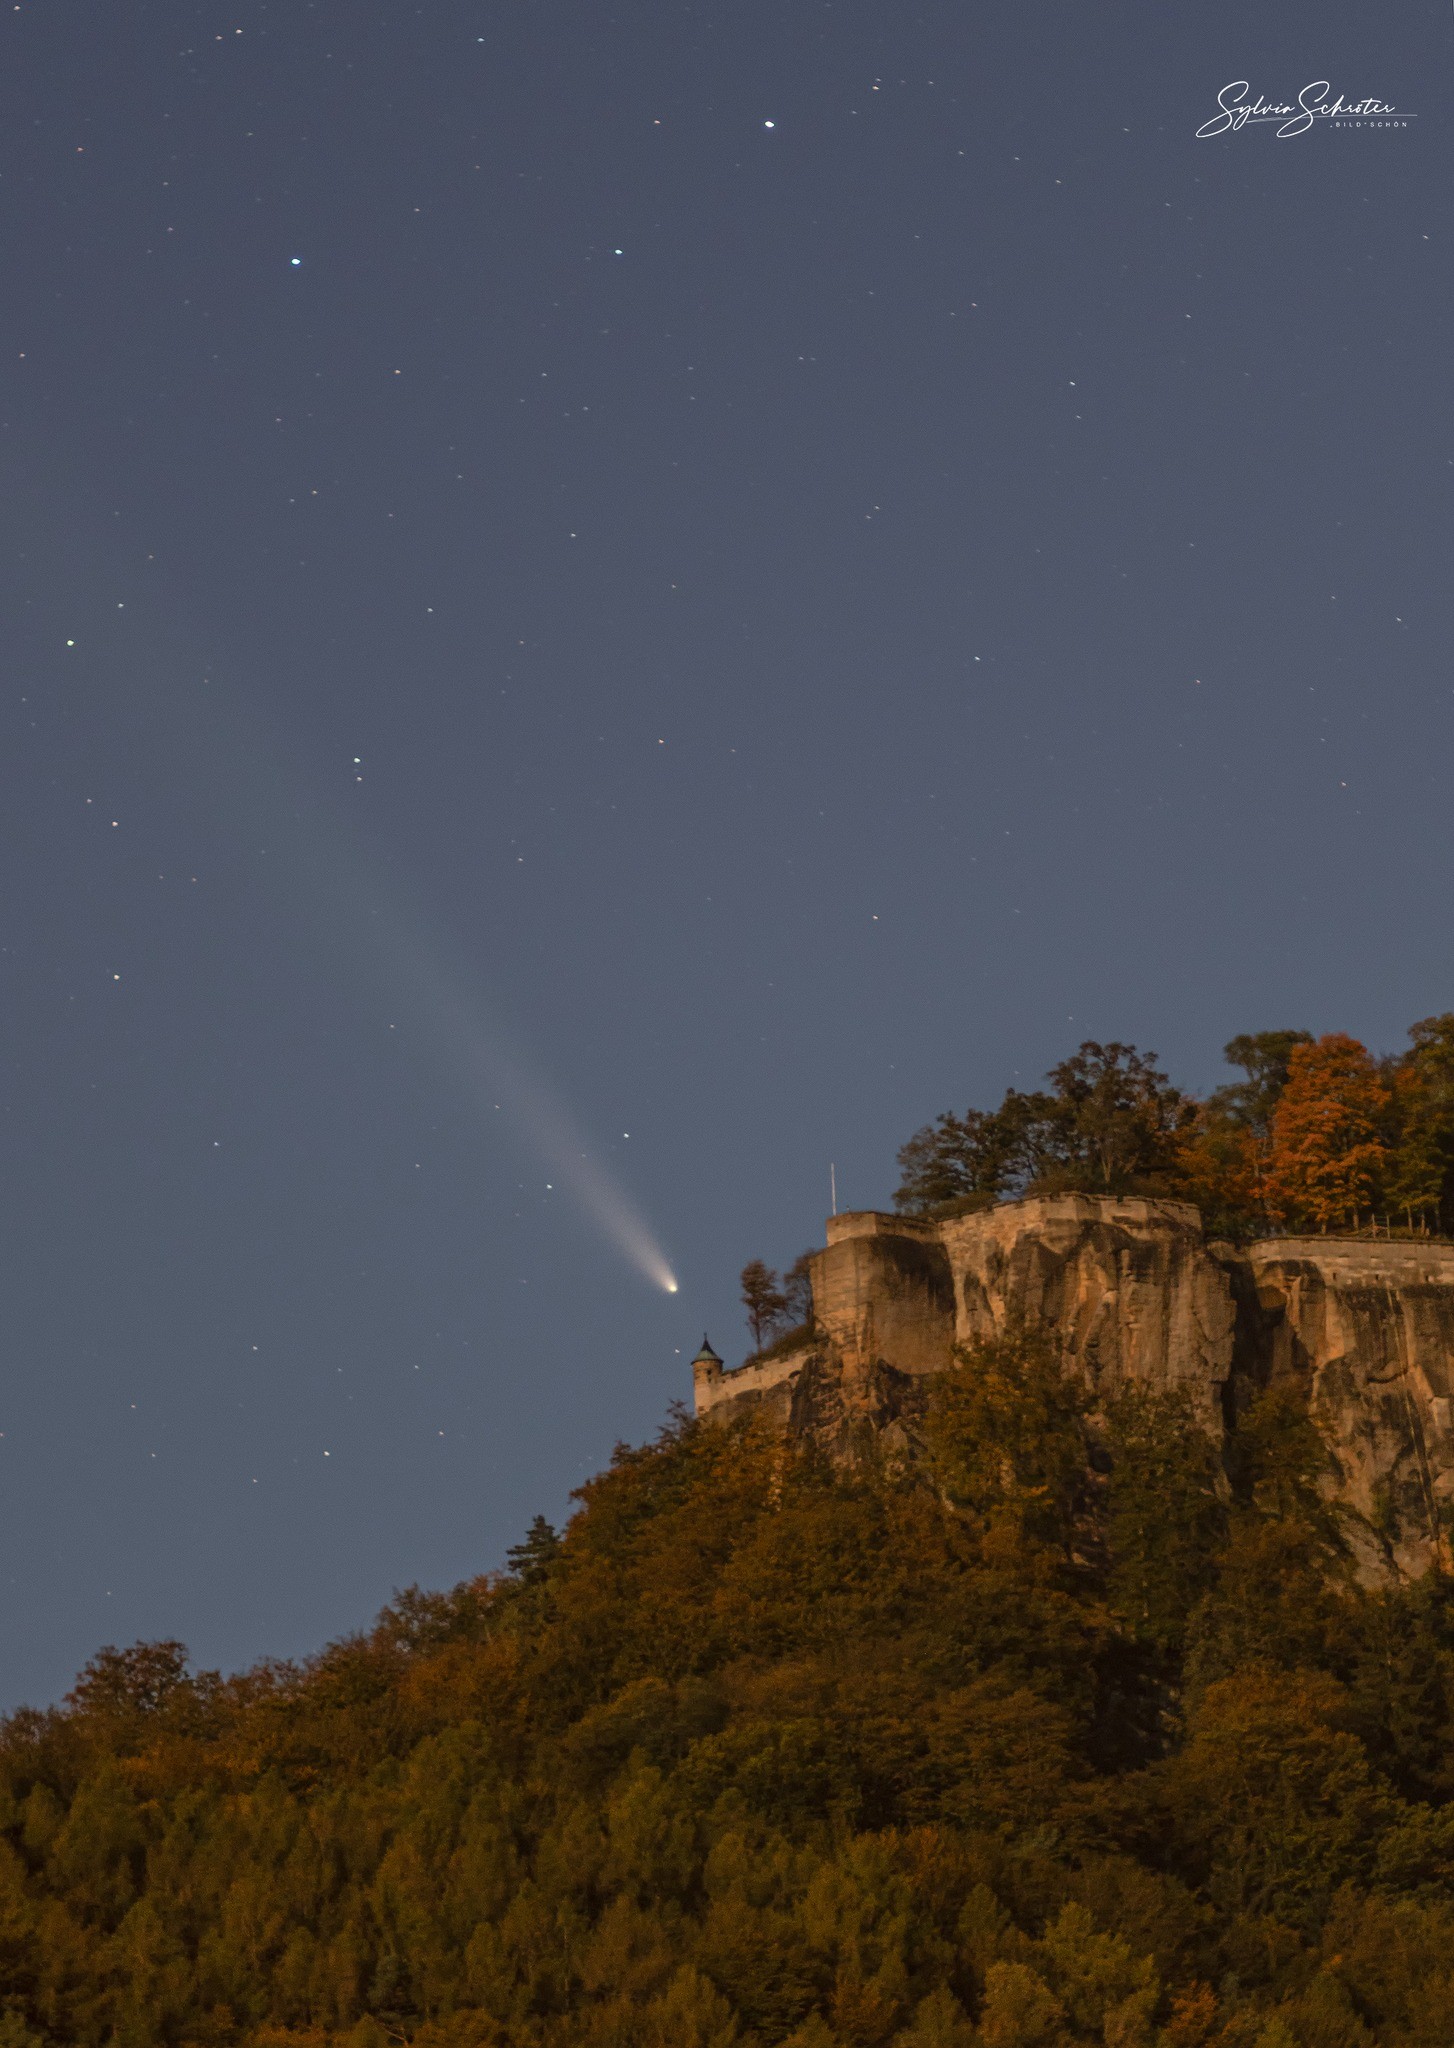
x=1368 y=1328
x=1131 y=1295
x=1127 y=1290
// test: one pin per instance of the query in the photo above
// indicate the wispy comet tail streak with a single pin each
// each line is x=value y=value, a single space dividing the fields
x=549 y=1126
x=247 y=776
x=499 y=1079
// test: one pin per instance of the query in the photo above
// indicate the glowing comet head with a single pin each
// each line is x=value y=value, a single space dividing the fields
x=497 y=1077
x=649 y=1262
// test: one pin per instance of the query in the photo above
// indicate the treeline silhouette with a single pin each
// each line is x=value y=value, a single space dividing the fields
x=1320 y=1135
x=1062 y=1733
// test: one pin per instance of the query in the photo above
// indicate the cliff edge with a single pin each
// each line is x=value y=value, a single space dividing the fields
x=1131 y=1294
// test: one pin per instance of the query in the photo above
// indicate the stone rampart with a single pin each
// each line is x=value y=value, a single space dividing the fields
x=1131 y=1295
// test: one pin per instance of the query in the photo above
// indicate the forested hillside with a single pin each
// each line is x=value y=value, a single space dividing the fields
x=1058 y=1735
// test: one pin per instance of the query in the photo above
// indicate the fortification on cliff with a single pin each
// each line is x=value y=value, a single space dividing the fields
x=1132 y=1295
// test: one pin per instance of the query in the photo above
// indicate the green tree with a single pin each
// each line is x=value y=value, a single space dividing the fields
x=955 y=1157
x=1281 y=1590
x=1273 y=1797
x=1165 y=1515
x=1108 y=1122
x=531 y=1559
x=1119 y=1112
x=1020 y=2010
x=139 y=1680
x=1006 y=1438
x=1420 y=1177
x=1265 y=1057
x=768 y=1750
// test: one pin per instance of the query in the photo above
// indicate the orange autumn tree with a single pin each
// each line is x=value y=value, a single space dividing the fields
x=1328 y=1151
x=1218 y=1167
x=1223 y=1153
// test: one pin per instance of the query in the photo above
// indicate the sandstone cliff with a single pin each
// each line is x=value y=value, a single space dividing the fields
x=1132 y=1295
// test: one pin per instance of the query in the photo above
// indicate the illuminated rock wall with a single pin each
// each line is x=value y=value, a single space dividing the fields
x=1130 y=1294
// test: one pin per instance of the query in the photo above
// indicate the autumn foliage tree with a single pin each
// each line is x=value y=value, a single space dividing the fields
x=1220 y=1169
x=1317 y=1134
x=1225 y=1149
x=1329 y=1151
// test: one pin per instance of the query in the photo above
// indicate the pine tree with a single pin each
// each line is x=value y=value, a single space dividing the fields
x=531 y=1559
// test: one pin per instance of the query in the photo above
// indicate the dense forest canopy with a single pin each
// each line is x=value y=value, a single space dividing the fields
x=1320 y=1135
x=1059 y=1735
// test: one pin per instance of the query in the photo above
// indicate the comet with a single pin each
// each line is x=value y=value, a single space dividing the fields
x=498 y=1077
x=252 y=783
x=221 y=743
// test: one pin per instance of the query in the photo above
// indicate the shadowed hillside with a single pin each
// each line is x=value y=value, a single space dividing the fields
x=1059 y=1733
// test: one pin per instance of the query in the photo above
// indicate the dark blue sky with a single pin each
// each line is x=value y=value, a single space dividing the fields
x=785 y=562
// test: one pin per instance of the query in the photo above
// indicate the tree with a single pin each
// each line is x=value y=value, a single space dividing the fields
x=1109 y=1121
x=1265 y=1057
x=1273 y=1798
x=786 y=1752
x=764 y=1300
x=531 y=1559
x=1420 y=1178
x=1165 y=1521
x=1223 y=1151
x=956 y=1156
x=139 y=1680
x=1219 y=1169
x=1006 y=1442
x=1120 y=1112
x=1328 y=1150
x=798 y=1291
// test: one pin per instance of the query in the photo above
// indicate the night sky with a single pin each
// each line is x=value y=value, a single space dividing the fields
x=723 y=578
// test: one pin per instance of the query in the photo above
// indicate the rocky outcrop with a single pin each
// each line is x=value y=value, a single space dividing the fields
x=1126 y=1290
x=1132 y=1295
x=1367 y=1327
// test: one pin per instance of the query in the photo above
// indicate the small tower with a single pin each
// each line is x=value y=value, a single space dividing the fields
x=706 y=1373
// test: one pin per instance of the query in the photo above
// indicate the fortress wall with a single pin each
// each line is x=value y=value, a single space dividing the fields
x=1130 y=1295
x=880 y=1223
x=758 y=1377
x=881 y=1292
